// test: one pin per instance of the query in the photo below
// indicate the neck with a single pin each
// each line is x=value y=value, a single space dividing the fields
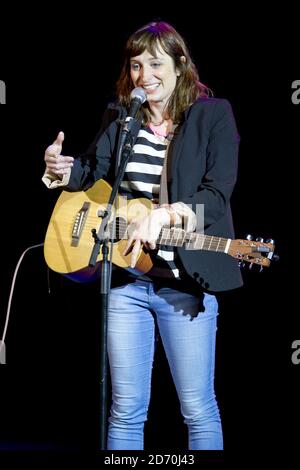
x=158 y=123
x=158 y=114
x=161 y=129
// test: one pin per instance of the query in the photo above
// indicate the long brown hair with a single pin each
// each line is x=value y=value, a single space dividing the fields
x=163 y=35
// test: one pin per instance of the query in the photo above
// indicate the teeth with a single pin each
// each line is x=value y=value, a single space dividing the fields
x=151 y=87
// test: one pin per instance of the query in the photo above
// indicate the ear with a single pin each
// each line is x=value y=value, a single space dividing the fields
x=183 y=61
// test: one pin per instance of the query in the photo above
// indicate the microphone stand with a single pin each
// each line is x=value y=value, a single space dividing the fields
x=128 y=136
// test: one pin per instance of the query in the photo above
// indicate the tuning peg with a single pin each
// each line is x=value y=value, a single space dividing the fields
x=259 y=239
x=249 y=237
x=241 y=264
x=270 y=240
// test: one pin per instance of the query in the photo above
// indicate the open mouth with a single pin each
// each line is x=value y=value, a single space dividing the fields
x=151 y=88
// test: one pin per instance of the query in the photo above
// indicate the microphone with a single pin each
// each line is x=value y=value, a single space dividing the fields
x=137 y=97
x=131 y=124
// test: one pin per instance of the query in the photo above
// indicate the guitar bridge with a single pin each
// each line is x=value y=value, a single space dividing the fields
x=79 y=223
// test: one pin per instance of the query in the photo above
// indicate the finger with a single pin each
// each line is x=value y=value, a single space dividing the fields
x=59 y=160
x=149 y=245
x=59 y=139
x=128 y=249
x=132 y=235
x=58 y=165
x=55 y=149
x=129 y=246
x=52 y=151
x=62 y=171
x=64 y=159
x=152 y=245
x=135 y=251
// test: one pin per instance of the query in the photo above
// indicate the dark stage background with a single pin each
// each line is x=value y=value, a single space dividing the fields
x=59 y=70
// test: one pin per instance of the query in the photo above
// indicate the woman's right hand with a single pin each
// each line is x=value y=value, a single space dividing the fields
x=55 y=162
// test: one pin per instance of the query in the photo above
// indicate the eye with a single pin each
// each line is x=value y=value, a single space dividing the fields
x=135 y=66
x=155 y=65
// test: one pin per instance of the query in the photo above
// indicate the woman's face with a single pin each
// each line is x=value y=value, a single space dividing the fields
x=157 y=75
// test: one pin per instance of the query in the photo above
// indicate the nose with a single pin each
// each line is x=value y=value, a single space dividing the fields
x=145 y=73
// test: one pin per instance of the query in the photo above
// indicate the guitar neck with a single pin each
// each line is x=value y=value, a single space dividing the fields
x=193 y=241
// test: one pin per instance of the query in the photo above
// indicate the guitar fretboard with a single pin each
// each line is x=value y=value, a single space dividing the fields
x=193 y=241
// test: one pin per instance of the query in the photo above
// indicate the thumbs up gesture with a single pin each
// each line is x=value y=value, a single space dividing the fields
x=55 y=162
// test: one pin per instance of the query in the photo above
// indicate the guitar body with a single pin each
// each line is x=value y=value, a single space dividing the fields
x=68 y=252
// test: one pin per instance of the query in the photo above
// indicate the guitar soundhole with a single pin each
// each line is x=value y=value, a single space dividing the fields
x=118 y=232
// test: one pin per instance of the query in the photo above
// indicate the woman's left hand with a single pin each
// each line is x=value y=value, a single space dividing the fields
x=145 y=231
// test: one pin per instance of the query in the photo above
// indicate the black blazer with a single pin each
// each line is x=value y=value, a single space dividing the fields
x=203 y=170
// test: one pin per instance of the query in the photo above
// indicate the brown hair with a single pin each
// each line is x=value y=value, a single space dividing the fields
x=150 y=37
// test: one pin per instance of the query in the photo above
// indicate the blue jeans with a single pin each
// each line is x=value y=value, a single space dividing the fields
x=188 y=338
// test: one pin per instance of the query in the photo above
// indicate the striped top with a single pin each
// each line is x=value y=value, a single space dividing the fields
x=142 y=180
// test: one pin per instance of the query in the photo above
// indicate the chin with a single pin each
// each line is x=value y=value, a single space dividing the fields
x=155 y=99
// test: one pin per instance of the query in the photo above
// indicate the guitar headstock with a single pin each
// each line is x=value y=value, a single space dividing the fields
x=253 y=252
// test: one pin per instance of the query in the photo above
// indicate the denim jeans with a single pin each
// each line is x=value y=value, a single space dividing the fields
x=188 y=337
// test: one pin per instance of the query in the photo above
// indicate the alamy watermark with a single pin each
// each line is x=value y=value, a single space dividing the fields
x=296 y=354
x=296 y=94
x=2 y=352
x=2 y=92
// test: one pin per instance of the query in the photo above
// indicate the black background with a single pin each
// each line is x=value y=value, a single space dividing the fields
x=60 y=69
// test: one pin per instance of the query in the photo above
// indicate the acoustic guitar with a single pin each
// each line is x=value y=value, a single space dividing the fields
x=69 y=240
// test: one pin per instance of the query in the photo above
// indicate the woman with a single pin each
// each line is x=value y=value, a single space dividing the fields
x=178 y=295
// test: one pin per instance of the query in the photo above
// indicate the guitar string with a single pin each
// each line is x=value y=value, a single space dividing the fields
x=215 y=243
x=123 y=226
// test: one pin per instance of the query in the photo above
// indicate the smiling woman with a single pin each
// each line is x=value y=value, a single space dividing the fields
x=157 y=76
x=178 y=294
x=159 y=61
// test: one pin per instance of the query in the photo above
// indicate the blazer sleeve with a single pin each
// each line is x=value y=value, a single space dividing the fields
x=220 y=176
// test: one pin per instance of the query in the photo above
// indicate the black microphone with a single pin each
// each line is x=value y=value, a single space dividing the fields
x=137 y=98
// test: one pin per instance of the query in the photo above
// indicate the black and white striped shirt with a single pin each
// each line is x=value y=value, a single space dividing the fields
x=142 y=180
